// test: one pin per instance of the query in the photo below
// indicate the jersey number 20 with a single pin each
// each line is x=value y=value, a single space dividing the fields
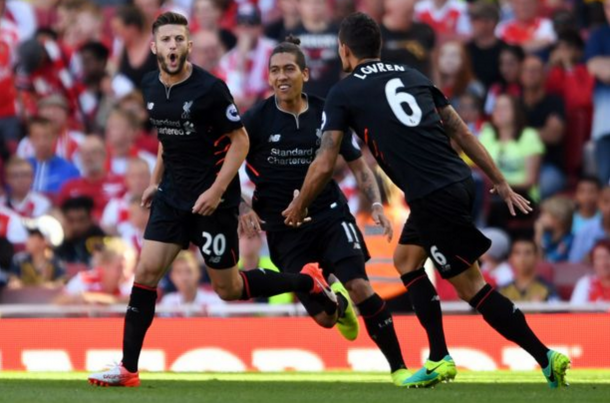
x=396 y=99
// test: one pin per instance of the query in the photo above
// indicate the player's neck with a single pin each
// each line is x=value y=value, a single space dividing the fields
x=358 y=62
x=172 y=79
x=295 y=106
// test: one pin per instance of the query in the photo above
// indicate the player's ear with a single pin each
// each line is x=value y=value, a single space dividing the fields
x=153 y=47
x=189 y=47
x=305 y=74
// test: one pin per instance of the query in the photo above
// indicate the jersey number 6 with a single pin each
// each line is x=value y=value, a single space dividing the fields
x=396 y=99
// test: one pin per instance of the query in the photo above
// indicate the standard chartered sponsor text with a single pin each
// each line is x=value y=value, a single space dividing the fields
x=295 y=156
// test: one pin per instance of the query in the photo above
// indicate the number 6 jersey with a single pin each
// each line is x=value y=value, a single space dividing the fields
x=393 y=109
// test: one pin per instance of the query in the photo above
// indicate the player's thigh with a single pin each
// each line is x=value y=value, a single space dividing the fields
x=155 y=259
x=343 y=249
x=292 y=249
x=446 y=228
x=227 y=282
x=216 y=237
x=469 y=282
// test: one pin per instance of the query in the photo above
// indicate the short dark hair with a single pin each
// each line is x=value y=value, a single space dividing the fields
x=572 y=38
x=291 y=45
x=524 y=239
x=592 y=179
x=97 y=49
x=515 y=50
x=77 y=203
x=169 y=18
x=131 y=15
x=362 y=35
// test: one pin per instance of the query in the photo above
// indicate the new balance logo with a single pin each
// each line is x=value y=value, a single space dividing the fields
x=133 y=309
x=275 y=138
x=150 y=106
x=435 y=298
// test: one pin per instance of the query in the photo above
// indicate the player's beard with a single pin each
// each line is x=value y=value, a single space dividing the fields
x=163 y=63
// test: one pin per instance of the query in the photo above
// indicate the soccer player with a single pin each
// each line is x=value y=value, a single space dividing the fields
x=407 y=123
x=194 y=195
x=284 y=133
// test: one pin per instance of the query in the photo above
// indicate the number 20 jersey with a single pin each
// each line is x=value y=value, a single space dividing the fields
x=393 y=109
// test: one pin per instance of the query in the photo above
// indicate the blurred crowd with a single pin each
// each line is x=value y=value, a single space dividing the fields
x=530 y=78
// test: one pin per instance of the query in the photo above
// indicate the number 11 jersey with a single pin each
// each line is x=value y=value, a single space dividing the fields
x=393 y=109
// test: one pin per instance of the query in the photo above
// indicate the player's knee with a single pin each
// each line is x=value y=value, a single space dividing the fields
x=148 y=275
x=227 y=292
x=359 y=290
x=324 y=320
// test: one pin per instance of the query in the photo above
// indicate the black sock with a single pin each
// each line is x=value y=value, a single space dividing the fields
x=139 y=316
x=506 y=319
x=427 y=307
x=341 y=305
x=380 y=326
x=267 y=283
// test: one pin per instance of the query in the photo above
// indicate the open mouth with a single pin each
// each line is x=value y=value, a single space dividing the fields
x=284 y=87
x=173 y=59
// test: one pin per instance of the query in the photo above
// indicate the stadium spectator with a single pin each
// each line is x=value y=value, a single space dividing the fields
x=319 y=35
x=246 y=65
x=494 y=265
x=470 y=109
x=516 y=148
x=597 y=54
x=570 y=80
x=190 y=294
x=122 y=128
x=484 y=47
x=109 y=282
x=96 y=182
x=6 y=257
x=86 y=25
x=206 y=17
x=290 y=20
x=454 y=73
x=586 y=197
x=96 y=97
x=595 y=287
x=55 y=108
x=11 y=227
x=597 y=229
x=36 y=265
x=10 y=128
x=116 y=212
x=132 y=231
x=511 y=60
x=527 y=29
x=207 y=52
x=553 y=229
x=135 y=59
x=527 y=284
x=50 y=170
x=545 y=113
x=19 y=197
x=145 y=140
x=406 y=41
x=81 y=233
x=448 y=18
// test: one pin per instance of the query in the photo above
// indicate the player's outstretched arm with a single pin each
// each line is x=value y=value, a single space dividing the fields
x=209 y=200
x=369 y=186
x=457 y=130
x=155 y=179
x=318 y=175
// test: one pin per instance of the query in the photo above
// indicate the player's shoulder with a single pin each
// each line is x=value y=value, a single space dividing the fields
x=315 y=103
x=150 y=79
x=260 y=110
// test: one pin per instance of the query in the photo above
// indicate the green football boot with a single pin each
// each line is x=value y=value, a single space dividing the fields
x=348 y=324
x=399 y=376
x=555 y=372
x=432 y=373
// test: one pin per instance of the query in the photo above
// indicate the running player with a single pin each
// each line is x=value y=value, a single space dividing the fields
x=194 y=193
x=407 y=123
x=284 y=135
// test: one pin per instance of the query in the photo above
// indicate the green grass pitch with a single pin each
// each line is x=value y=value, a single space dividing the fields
x=332 y=387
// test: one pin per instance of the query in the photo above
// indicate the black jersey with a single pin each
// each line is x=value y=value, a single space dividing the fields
x=192 y=119
x=393 y=109
x=282 y=146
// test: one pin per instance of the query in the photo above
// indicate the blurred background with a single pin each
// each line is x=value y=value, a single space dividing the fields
x=530 y=78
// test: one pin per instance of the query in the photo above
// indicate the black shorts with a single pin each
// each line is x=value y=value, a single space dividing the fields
x=215 y=235
x=442 y=224
x=328 y=243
